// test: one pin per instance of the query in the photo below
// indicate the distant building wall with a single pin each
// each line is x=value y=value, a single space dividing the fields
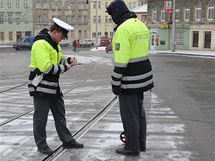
x=16 y=20
x=195 y=24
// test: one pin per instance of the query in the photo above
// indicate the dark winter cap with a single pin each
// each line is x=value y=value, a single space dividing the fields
x=116 y=9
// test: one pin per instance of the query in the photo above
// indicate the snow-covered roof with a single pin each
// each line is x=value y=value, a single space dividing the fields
x=142 y=8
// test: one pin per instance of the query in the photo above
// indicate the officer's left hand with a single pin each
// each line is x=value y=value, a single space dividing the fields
x=73 y=61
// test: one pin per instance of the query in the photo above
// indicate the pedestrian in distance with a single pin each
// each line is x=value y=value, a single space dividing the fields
x=46 y=66
x=77 y=45
x=74 y=45
x=132 y=75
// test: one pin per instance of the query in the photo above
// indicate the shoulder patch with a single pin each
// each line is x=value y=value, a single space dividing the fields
x=117 y=46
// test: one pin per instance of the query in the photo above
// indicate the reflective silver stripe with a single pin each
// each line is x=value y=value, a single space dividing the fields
x=116 y=83
x=48 y=70
x=54 y=84
x=139 y=85
x=55 y=69
x=62 y=68
x=31 y=89
x=45 y=90
x=120 y=65
x=49 y=83
x=62 y=61
x=139 y=77
x=116 y=75
x=134 y=60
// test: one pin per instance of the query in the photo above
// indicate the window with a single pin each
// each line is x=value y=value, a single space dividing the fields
x=59 y=5
x=1 y=17
x=106 y=33
x=10 y=36
x=94 y=19
x=210 y=10
x=198 y=12
x=10 y=15
x=18 y=17
x=85 y=33
x=17 y=4
x=25 y=3
x=1 y=4
x=111 y=34
x=106 y=19
x=2 y=36
x=28 y=33
x=187 y=12
x=99 y=19
x=154 y=16
x=179 y=37
x=207 y=39
x=143 y=18
x=9 y=5
x=94 y=4
x=93 y=34
x=18 y=35
x=195 y=38
x=163 y=16
x=177 y=12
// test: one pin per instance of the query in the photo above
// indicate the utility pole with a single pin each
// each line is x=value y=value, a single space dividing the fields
x=173 y=27
x=96 y=24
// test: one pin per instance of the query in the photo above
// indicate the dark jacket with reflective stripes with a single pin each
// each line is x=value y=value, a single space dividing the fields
x=46 y=59
x=132 y=68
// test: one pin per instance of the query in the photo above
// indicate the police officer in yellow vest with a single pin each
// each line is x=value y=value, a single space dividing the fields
x=46 y=65
x=132 y=74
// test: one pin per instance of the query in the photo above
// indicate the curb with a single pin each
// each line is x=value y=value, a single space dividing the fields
x=185 y=54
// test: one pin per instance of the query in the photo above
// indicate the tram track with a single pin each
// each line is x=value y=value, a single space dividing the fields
x=65 y=93
x=84 y=129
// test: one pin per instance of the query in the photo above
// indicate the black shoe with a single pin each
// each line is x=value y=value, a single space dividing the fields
x=127 y=152
x=143 y=149
x=73 y=144
x=46 y=150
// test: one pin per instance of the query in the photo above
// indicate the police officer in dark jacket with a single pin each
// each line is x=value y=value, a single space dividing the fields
x=132 y=74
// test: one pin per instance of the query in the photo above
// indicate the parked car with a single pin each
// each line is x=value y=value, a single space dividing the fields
x=108 y=48
x=86 y=44
x=64 y=43
x=24 y=42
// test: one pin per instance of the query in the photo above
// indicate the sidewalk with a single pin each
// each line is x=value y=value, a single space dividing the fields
x=185 y=52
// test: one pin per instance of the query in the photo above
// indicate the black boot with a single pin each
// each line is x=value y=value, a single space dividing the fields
x=123 y=151
x=46 y=150
x=73 y=144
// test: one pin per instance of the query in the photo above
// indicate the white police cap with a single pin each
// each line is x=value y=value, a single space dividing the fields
x=63 y=26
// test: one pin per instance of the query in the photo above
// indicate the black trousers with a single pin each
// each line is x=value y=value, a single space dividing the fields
x=134 y=120
x=40 y=117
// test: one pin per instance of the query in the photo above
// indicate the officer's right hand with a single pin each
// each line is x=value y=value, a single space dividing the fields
x=68 y=66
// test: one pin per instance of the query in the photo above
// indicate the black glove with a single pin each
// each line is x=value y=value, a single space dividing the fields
x=116 y=90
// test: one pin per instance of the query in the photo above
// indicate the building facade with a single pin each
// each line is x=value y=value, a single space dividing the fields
x=195 y=25
x=16 y=20
x=74 y=12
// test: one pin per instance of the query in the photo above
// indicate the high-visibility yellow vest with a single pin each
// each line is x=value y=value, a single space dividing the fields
x=43 y=55
x=132 y=68
x=48 y=61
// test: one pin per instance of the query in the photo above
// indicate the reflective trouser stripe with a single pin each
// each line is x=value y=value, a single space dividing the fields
x=46 y=90
x=53 y=84
x=139 y=85
x=139 y=77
